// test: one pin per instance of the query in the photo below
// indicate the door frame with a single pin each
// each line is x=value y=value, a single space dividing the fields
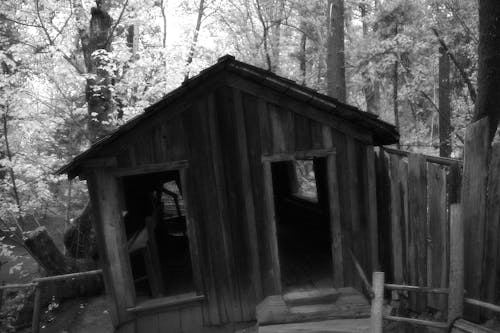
x=333 y=208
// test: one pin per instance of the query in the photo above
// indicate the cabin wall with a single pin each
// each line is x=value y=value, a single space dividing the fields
x=274 y=130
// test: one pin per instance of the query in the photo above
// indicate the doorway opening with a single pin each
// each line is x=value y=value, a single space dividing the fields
x=302 y=224
x=157 y=238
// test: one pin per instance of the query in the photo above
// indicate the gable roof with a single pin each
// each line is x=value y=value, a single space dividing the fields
x=383 y=132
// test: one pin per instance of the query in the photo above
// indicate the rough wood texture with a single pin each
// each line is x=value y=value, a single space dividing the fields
x=376 y=321
x=350 y=304
x=492 y=228
x=335 y=222
x=437 y=251
x=397 y=221
x=326 y=326
x=105 y=195
x=464 y=326
x=456 y=284
x=309 y=297
x=474 y=205
x=417 y=198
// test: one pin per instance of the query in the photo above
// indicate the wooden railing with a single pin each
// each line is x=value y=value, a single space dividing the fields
x=455 y=291
x=37 y=284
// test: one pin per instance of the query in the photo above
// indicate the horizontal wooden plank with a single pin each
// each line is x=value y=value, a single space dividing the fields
x=68 y=276
x=150 y=168
x=417 y=288
x=429 y=158
x=298 y=155
x=436 y=324
x=485 y=305
x=166 y=302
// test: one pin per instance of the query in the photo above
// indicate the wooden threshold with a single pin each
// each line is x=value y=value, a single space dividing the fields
x=166 y=302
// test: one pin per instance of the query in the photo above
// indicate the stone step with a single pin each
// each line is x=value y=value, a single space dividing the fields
x=350 y=304
x=309 y=297
x=326 y=326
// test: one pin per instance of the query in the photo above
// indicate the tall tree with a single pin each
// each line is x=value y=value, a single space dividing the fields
x=444 y=104
x=335 y=72
x=488 y=99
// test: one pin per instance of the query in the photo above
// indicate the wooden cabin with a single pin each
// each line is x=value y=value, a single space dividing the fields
x=238 y=185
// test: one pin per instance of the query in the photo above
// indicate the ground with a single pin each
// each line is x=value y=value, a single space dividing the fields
x=78 y=316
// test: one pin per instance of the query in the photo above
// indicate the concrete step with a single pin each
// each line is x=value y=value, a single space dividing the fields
x=350 y=304
x=310 y=297
x=326 y=326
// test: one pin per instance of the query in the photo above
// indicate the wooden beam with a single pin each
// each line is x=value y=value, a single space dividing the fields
x=335 y=222
x=417 y=289
x=298 y=155
x=150 y=168
x=421 y=322
x=376 y=321
x=275 y=273
x=105 y=196
x=371 y=207
x=247 y=192
x=429 y=158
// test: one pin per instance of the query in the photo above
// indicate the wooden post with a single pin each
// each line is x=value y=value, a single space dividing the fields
x=456 y=286
x=35 y=321
x=376 y=320
x=335 y=222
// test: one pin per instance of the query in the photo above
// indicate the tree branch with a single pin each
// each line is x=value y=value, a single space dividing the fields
x=116 y=24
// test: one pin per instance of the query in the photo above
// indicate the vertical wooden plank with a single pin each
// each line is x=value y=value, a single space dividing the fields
x=456 y=285
x=405 y=213
x=229 y=289
x=335 y=222
x=357 y=246
x=302 y=132
x=282 y=129
x=370 y=184
x=383 y=212
x=266 y=141
x=200 y=184
x=437 y=260
x=191 y=320
x=417 y=196
x=192 y=232
x=492 y=228
x=316 y=134
x=169 y=321
x=110 y=232
x=255 y=279
x=474 y=206
x=148 y=323
x=396 y=221
x=275 y=273
x=339 y=141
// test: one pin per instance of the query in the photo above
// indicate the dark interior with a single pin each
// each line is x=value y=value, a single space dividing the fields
x=161 y=264
x=302 y=221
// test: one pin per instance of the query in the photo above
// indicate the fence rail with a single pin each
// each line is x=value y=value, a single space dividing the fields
x=37 y=283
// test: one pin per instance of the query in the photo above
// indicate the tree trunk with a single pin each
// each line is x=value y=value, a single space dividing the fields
x=371 y=86
x=444 y=104
x=192 y=48
x=335 y=72
x=488 y=99
x=302 y=56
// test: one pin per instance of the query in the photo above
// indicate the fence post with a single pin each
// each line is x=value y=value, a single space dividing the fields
x=456 y=285
x=35 y=324
x=376 y=320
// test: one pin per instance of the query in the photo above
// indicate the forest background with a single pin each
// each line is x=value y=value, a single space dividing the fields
x=70 y=74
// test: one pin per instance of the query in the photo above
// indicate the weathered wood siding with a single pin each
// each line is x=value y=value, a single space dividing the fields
x=223 y=132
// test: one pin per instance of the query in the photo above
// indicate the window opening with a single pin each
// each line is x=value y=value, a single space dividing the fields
x=157 y=238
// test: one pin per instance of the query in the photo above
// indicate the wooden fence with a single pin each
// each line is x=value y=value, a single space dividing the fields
x=414 y=195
